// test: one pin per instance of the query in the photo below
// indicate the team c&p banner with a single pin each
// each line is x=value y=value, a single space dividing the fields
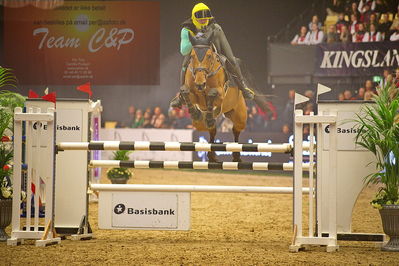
x=104 y=42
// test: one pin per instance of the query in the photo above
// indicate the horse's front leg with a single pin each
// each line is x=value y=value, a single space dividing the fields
x=210 y=99
x=195 y=113
x=212 y=154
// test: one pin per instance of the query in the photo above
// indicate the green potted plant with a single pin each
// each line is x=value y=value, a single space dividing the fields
x=8 y=101
x=378 y=132
x=119 y=175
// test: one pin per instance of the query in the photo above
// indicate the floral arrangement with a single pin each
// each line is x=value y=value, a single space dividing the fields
x=120 y=172
x=378 y=132
x=8 y=101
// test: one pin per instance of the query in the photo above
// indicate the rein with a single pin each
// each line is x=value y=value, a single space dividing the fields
x=206 y=70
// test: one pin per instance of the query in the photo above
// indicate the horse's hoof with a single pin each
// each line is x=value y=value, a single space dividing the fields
x=212 y=157
x=236 y=157
x=210 y=123
x=237 y=160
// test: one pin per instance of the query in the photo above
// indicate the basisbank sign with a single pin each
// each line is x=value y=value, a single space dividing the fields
x=356 y=58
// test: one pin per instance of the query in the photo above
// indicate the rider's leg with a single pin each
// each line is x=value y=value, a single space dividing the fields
x=223 y=46
x=178 y=101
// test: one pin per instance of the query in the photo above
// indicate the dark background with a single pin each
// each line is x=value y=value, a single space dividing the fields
x=247 y=24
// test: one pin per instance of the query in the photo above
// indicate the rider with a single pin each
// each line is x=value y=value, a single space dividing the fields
x=202 y=22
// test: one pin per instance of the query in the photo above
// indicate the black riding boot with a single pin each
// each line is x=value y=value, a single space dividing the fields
x=239 y=79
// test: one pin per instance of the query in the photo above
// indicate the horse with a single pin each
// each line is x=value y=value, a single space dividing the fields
x=208 y=93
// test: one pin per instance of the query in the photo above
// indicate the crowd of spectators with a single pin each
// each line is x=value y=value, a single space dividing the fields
x=352 y=21
x=367 y=91
x=156 y=118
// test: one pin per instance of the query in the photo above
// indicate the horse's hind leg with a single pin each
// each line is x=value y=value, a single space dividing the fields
x=239 y=118
x=212 y=154
x=236 y=155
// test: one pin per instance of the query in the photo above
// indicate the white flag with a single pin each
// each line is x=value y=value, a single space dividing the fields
x=322 y=89
x=300 y=99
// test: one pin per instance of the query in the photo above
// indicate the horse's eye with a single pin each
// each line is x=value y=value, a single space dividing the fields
x=209 y=56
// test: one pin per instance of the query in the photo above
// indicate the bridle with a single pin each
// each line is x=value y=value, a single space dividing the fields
x=204 y=69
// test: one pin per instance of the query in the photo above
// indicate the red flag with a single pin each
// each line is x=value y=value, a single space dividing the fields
x=32 y=94
x=51 y=97
x=85 y=88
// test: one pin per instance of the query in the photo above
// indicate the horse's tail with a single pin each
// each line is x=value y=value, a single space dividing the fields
x=260 y=98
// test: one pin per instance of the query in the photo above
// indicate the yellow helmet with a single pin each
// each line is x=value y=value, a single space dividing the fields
x=201 y=11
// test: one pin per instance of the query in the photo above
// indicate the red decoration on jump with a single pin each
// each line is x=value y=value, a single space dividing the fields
x=85 y=88
x=33 y=95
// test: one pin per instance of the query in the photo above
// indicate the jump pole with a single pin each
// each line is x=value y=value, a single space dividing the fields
x=256 y=166
x=177 y=146
x=194 y=188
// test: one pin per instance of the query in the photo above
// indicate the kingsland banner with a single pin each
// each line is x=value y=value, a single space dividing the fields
x=356 y=59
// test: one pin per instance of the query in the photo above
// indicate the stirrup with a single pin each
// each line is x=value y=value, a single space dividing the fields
x=248 y=93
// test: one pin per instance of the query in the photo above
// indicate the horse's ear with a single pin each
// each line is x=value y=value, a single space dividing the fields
x=192 y=39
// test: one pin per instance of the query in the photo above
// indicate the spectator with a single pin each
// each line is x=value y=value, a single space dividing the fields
x=182 y=121
x=373 y=20
x=395 y=36
x=366 y=5
x=369 y=86
x=301 y=37
x=354 y=25
x=365 y=16
x=341 y=96
x=173 y=117
x=354 y=10
x=147 y=120
x=316 y=36
x=348 y=95
x=138 y=119
x=160 y=121
x=395 y=22
x=384 y=79
x=372 y=35
x=360 y=94
x=345 y=36
x=332 y=36
x=341 y=22
x=289 y=108
x=308 y=109
x=359 y=35
x=381 y=7
x=286 y=131
x=384 y=27
x=157 y=113
x=128 y=122
x=315 y=20
x=255 y=120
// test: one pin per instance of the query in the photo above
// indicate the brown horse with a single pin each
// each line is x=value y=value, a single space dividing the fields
x=208 y=94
